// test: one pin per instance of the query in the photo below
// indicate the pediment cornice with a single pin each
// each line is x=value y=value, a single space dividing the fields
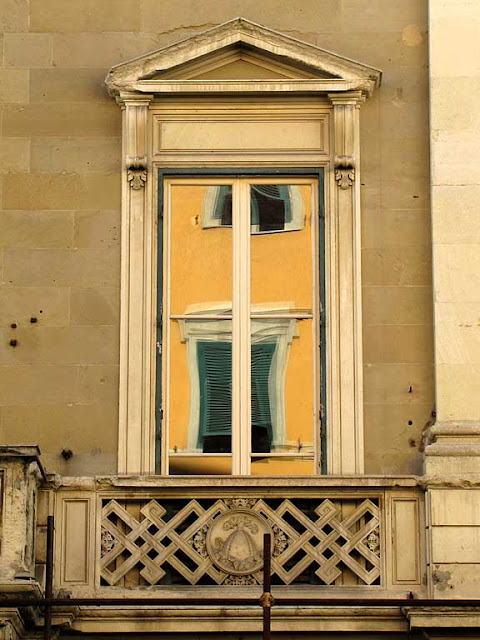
x=312 y=69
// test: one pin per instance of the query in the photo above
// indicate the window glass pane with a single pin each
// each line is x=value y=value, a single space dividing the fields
x=282 y=328
x=281 y=263
x=201 y=253
x=200 y=330
x=272 y=466
x=282 y=400
x=200 y=465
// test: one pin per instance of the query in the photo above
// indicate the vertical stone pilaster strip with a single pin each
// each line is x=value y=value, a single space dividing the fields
x=136 y=452
x=346 y=454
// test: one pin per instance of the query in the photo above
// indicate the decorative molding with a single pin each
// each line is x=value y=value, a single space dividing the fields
x=330 y=71
x=277 y=484
x=137 y=172
x=338 y=88
x=450 y=481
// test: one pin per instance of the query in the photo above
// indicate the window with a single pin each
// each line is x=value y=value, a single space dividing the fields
x=240 y=357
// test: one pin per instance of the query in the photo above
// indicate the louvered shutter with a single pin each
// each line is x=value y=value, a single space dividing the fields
x=215 y=373
x=278 y=194
x=262 y=355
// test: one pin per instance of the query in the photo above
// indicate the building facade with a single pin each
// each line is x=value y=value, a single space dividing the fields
x=240 y=297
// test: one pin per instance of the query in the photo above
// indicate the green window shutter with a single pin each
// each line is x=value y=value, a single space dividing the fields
x=278 y=194
x=262 y=354
x=215 y=374
x=223 y=205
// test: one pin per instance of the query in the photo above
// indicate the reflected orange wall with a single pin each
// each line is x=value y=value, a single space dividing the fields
x=201 y=268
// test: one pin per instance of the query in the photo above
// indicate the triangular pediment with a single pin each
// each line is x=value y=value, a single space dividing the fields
x=239 y=62
x=240 y=55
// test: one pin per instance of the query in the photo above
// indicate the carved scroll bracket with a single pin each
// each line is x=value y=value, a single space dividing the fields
x=136 y=171
x=344 y=171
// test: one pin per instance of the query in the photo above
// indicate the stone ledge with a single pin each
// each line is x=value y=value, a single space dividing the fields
x=234 y=482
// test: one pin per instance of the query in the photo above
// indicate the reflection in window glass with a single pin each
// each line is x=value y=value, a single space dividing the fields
x=273 y=207
x=270 y=206
x=215 y=376
x=206 y=251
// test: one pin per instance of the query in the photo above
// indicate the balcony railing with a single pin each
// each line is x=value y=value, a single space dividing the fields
x=168 y=535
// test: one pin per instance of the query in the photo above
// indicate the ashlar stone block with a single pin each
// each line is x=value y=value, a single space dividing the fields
x=28 y=50
x=14 y=86
x=88 y=15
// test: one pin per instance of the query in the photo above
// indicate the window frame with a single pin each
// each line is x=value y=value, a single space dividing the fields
x=163 y=174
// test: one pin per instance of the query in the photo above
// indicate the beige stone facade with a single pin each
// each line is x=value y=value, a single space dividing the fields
x=379 y=95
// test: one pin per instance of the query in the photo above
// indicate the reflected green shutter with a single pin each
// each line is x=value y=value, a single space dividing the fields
x=262 y=354
x=215 y=374
x=215 y=377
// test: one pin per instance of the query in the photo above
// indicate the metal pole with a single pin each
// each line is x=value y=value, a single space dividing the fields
x=267 y=600
x=47 y=630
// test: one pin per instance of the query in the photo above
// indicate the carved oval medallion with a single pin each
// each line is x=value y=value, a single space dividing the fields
x=235 y=542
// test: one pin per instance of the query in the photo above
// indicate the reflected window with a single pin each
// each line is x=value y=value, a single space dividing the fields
x=273 y=207
x=241 y=326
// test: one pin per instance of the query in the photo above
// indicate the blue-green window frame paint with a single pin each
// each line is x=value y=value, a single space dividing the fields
x=317 y=173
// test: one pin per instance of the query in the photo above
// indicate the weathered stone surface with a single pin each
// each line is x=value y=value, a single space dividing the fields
x=28 y=50
x=89 y=15
x=14 y=86
x=79 y=154
x=61 y=267
x=40 y=229
x=99 y=306
x=61 y=191
x=64 y=119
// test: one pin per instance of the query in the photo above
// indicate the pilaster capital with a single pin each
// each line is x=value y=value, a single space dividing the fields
x=136 y=133
x=347 y=98
x=134 y=99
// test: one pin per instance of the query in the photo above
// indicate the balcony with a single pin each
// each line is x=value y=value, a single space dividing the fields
x=330 y=535
x=199 y=538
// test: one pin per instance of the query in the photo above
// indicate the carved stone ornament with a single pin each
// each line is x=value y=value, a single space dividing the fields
x=344 y=171
x=240 y=581
x=235 y=542
x=136 y=172
x=373 y=541
x=240 y=503
x=108 y=542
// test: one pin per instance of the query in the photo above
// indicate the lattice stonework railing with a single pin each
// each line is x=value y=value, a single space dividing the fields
x=208 y=541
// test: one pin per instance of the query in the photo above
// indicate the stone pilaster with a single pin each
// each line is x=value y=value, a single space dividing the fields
x=452 y=454
x=346 y=403
x=136 y=452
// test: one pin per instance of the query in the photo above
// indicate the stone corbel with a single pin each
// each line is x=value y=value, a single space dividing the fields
x=344 y=171
x=136 y=171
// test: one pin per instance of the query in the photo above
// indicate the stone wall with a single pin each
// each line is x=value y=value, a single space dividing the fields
x=59 y=227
